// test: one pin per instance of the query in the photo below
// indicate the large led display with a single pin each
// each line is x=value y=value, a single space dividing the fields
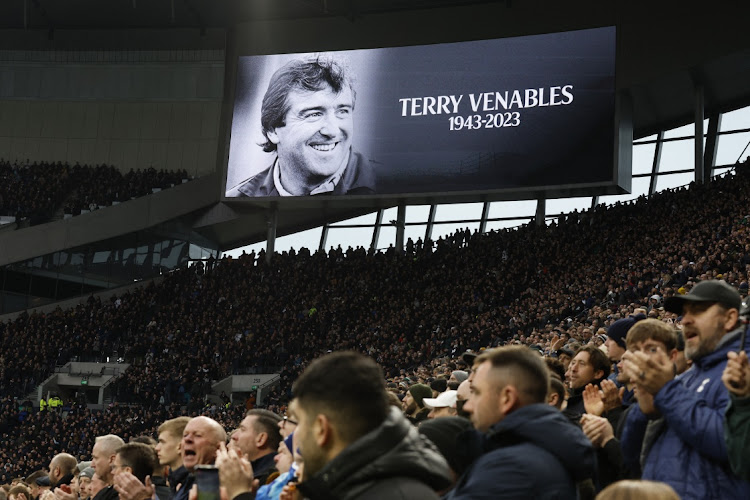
x=490 y=115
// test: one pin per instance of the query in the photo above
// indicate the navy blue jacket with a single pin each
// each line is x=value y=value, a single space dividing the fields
x=690 y=453
x=534 y=452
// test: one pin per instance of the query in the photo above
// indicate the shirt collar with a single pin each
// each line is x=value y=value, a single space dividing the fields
x=327 y=186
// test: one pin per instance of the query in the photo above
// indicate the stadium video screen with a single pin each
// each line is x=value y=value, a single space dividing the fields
x=503 y=114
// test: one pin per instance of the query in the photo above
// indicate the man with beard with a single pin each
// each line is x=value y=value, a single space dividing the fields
x=413 y=403
x=355 y=446
x=61 y=469
x=689 y=453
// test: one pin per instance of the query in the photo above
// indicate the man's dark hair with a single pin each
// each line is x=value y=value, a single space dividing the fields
x=556 y=368
x=148 y=440
x=310 y=75
x=31 y=478
x=526 y=370
x=556 y=386
x=141 y=458
x=268 y=422
x=347 y=387
x=597 y=358
x=145 y=440
x=439 y=384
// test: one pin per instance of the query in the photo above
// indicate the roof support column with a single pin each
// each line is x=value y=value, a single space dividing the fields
x=323 y=238
x=376 y=230
x=541 y=207
x=485 y=214
x=400 y=226
x=712 y=144
x=657 y=163
x=272 y=221
x=430 y=225
x=700 y=174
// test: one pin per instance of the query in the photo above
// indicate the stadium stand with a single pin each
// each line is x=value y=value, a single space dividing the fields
x=360 y=343
x=37 y=191
x=409 y=312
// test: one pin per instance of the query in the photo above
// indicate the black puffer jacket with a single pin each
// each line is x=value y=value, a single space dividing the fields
x=393 y=462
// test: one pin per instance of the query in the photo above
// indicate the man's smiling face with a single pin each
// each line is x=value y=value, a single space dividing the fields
x=315 y=139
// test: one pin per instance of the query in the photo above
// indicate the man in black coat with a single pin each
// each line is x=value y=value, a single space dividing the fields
x=355 y=446
x=61 y=469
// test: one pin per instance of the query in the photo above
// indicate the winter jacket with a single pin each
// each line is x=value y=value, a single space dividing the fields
x=263 y=467
x=737 y=435
x=392 y=462
x=690 y=454
x=534 y=453
x=177 y=477
x=162 y=488
x=575 y=408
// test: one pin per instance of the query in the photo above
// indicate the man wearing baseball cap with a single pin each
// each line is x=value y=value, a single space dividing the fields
x=442 y=406
x=689 y=453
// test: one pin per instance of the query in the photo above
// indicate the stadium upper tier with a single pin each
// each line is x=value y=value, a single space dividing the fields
x=467 y=291
x=36 y=192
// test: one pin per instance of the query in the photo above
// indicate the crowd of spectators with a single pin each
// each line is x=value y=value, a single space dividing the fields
x=36 y=191
x=409 y=311
x=33 y=191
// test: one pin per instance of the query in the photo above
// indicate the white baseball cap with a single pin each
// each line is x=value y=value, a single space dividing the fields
x=445 y=399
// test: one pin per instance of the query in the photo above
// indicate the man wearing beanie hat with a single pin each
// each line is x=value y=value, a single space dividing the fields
x=689 y=454
x=84 y=479
x=615 y=342
x=413 y=403
x=273 y=489
x=458 y=376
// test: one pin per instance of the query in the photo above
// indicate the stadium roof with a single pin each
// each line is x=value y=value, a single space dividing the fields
x=665 y=48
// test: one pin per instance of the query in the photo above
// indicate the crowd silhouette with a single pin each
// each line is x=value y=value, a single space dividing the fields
x=36 y=191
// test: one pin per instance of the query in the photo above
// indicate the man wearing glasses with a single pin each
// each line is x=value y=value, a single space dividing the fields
x=289 y=422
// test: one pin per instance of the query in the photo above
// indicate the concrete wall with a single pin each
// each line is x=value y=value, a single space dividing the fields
x=134 y=215
x=243 y=383
x=130 y=109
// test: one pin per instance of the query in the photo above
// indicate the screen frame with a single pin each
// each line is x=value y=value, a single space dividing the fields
x=258 y=42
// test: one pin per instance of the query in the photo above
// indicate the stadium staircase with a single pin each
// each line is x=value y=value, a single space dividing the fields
x=69 y=379
x=240 y=386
